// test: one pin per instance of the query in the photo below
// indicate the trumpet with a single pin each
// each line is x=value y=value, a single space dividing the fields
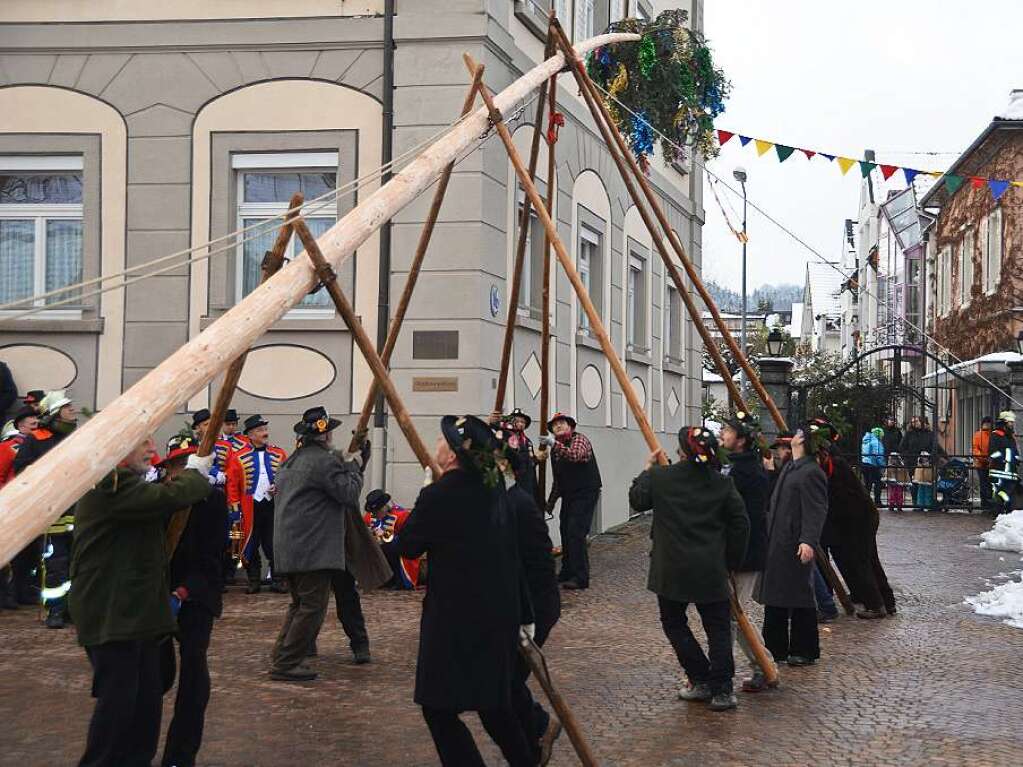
x=235 y=537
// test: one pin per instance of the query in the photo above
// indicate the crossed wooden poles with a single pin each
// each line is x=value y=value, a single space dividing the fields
x=663 y=237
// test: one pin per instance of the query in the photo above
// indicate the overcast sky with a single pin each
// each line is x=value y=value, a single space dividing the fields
x=917 y=75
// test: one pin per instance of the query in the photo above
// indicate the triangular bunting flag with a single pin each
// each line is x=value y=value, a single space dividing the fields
x=724 y=137
x=744 y=140
x=935 y=173
x=762 y=146
x=1018 y=183
x=953 y=182
x=866 y=167
x=997 y=188
x=910 y=174
x=977 y=182
x=830 y=157
x=809 y=153
x=887 y=171
x=784 y=152
x=845 y=163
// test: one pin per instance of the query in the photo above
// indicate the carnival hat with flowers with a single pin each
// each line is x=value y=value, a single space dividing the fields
x=820 y=434
x=517 y=413
x=179 y=445
x=745 y=424
x=475 y=444
x=315 y=420
x=699 y=444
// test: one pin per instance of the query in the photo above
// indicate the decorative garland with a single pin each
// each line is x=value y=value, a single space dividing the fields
x=669 y=79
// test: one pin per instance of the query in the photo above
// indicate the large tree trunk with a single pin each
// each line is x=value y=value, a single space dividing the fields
x=30 y=502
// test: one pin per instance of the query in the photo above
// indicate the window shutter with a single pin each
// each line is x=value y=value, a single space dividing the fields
x=995 y=235
x=985 y=258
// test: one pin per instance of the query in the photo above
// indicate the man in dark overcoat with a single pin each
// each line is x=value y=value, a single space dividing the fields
x=316 y=492
x=472 y=613
x=121 y=601
x=700 y=531
x=794 y=521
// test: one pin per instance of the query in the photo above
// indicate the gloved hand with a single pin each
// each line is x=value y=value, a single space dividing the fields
x=201 y=465
x=218 y=479
x=526 y=633
x=547 y=440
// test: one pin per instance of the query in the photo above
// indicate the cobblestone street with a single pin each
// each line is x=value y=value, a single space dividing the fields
x=935 y=685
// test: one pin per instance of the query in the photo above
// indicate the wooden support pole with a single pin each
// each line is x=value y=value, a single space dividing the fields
x=545 y=317
x=601 y=115
x=753 y=638
x=520 y=250
x=410 y=283
x=834 y=581
x=329 y=279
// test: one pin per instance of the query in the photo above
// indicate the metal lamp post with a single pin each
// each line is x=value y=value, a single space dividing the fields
x=740 y=175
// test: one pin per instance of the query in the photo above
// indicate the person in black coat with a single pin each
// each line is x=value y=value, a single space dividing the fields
x=473 y=611
x=538 y=569
x=700 y=531
x=196 y=580
x=794 y=520
x=892 y=439
x=8 y=391
x=746 y=469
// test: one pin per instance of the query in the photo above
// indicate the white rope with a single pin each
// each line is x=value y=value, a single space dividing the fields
x=813 y=251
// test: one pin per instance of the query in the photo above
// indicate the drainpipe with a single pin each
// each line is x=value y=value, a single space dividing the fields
x=384 y=276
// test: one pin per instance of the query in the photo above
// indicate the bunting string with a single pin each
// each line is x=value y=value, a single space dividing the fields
x=952 y=181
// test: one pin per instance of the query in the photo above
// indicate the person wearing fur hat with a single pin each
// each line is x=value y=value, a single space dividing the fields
x=739 y=437
x=795 y=517
x=250 y=492
x=317 y=490
x=1003 y=459
x=58 y=418
x=577 y=483
x=385 y=519
x=196 y=581
x=14 y=434
x=474 y=610
x=850 y=529
x=538 y=569
x=700 y=531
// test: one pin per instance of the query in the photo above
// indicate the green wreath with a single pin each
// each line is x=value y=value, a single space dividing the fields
x=667 y=84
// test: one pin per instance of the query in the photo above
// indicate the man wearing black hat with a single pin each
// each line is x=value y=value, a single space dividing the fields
x=577 y=483
x=385 y=519
x=517 y=422
x=316 y=491
x=250 y=492
x=472 y=614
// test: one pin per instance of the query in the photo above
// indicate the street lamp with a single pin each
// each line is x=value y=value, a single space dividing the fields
x=775 y=343
x=740 y=175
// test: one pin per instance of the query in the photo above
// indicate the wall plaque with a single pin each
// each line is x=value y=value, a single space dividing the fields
x=434 y=384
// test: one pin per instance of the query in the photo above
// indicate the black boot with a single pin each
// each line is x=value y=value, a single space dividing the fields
x=55 y=616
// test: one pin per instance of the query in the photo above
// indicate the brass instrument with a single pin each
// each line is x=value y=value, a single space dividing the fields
x=236 y=538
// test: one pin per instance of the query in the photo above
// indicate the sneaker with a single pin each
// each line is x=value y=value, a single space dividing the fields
x=697 y=693
x=800 y=660
x=758 y=683
x=551 y=734
x=869 y=615
x=295 y=674
x=723 y=701
x=362 y=656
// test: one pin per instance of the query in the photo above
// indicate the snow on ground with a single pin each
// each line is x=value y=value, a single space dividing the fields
x=1004 y=601
x=1006 y=535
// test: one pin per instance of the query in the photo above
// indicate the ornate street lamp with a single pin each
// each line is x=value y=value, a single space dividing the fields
x=776 y=342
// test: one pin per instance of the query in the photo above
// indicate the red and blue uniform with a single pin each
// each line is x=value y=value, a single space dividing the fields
x=388 y=529
x=244 y=472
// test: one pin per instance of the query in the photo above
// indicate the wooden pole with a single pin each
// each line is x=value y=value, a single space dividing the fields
x=596 y=104
x=410 y=284
x=836 y=583
x=329 y=279
x=41 y=493
x=520 y=250
x=538 y=664
x=272 y=262
x=545 y=317
x=753 y=638
x=596 y=324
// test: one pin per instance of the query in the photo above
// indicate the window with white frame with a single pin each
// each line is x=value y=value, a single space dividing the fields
x=584 y=19
x=673 y=325
x=531 y=285
x=40 y=226
x=966 y=272
x=993 y=250
x=266 y=182
x=636 y=300
x=590 y=268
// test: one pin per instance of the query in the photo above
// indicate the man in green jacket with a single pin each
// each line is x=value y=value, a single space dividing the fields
x=700 y=531
x=121 y=600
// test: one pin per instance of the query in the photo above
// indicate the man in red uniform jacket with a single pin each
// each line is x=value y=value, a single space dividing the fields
x=385 y=520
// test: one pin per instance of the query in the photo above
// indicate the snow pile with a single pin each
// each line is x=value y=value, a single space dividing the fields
x=1014 y=111
x=1005 y=601
x=1006 y=535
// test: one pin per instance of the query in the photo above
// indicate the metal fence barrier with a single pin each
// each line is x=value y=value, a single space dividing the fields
x=951 y=482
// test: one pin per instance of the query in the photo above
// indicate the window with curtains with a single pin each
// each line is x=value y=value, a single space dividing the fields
x=590 y=270
x=40 y=227
x=265 y=184
x=531 y=286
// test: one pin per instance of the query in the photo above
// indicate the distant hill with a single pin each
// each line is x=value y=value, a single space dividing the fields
x=771 y=297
